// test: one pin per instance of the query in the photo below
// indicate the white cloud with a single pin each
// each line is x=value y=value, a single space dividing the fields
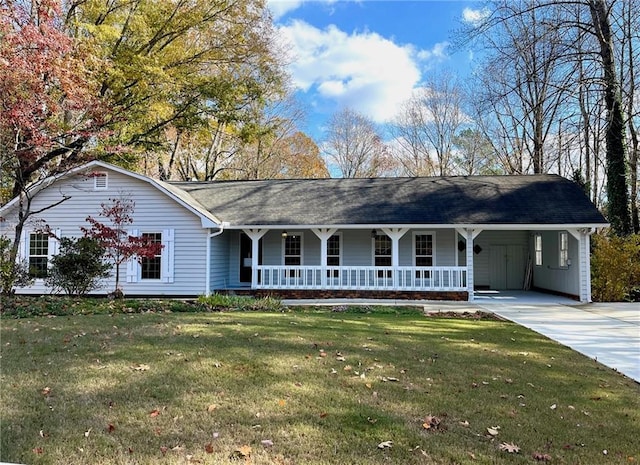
x=469 y=15
x=362 y=70
x=279 y=8
x=438 y=51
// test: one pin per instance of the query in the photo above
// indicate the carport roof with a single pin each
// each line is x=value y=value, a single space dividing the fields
x=455 y=200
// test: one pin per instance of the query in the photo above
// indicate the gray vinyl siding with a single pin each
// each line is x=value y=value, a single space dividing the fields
x=220 y=263
x=154 y=212
x=550 y=276
x=234 y=258
x=485 y=240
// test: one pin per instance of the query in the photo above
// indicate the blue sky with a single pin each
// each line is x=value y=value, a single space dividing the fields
x=369 y=55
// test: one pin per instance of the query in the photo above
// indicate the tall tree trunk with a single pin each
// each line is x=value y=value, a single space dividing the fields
x=618 y=206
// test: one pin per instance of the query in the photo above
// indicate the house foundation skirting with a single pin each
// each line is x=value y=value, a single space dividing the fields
x=352 y=294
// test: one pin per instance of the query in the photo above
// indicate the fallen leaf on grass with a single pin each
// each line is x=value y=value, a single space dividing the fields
x=323 y=415
x=464 y=423
x=110 y=428
x=163 y=449
x=267 y=442
x=242 y=452
x=509 y=447
x=211 y=408
x=38 y=450
x=154 y=413
x=431 y=422
x=541 y=457
x=208 y=448
x=87 y=433
x=282 y=402
x=385 y=445
x=140 y=367
x=46 y=391
x=553 y=407
x=493 y=430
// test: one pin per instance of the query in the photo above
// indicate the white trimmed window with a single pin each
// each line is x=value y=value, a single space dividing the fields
x=100 y=181
x=151 y=267
x=292 y=252
x=563 y=249
x=158 y=268
x=334 y=247
x=38 y=255
x=382 y=253
x=537 y=240
x=424 y=249
x=37 y=248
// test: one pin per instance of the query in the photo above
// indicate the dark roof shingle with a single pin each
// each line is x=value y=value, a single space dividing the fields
x=529 y=199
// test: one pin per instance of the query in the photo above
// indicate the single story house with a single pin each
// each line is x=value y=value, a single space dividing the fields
x=418 y=238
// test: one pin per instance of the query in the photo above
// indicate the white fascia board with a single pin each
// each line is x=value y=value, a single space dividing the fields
x=493 y=227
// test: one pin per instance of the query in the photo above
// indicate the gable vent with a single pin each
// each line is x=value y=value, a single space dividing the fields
x=100 y=181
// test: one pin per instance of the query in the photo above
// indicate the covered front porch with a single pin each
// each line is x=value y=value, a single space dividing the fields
x=436 y=263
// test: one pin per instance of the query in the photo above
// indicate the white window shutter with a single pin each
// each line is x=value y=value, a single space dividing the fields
x=133 y=266
x=167 y=258
x=54 y=244
x=23 y=249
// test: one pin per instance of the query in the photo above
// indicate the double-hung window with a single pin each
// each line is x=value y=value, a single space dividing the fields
x=537 y=239
x=293 y=253
x=563 y=249
x=333 y=255
x=38 y=255
x=151 y=267
x=424 y=249
x=382 y=254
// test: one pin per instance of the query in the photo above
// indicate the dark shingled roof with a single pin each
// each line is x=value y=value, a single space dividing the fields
x=533 y=199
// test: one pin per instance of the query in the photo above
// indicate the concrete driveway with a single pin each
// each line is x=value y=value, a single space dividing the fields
x=606 y=332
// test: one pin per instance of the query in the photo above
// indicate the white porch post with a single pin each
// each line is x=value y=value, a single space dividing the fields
x=470 y=235
x=395 y=234
x=583 y=237
x=324 y=234
x=255 y=235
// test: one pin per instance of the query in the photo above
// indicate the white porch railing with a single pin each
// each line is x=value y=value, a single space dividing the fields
x=408 y=278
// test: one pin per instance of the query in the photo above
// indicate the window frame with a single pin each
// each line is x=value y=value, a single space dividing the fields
x=415 y=255
x=563 y=249
x=300 y=256
x=334 y=273
x=538 y=249
x=375 y=255
x=43 y=247
x=156 y=258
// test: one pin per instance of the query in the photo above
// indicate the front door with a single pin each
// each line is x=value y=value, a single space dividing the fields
x=245 y=257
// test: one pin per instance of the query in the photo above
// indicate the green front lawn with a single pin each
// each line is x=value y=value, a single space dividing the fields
x=304 y=387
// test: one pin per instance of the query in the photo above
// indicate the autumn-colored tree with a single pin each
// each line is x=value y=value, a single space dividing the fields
x=118 y=244
x=48 y=105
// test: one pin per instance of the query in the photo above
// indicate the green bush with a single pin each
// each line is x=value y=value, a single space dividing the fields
x=12 y=273
x=235 y=302
x=615 y=268
x=79 y=267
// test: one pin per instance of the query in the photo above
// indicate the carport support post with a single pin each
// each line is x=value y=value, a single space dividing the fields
x=583 y=236
x=255 y=235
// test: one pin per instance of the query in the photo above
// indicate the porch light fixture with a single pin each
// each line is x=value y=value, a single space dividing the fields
x=477 y=249
x=284 y=234
x=374 y=233
x=462 y=245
